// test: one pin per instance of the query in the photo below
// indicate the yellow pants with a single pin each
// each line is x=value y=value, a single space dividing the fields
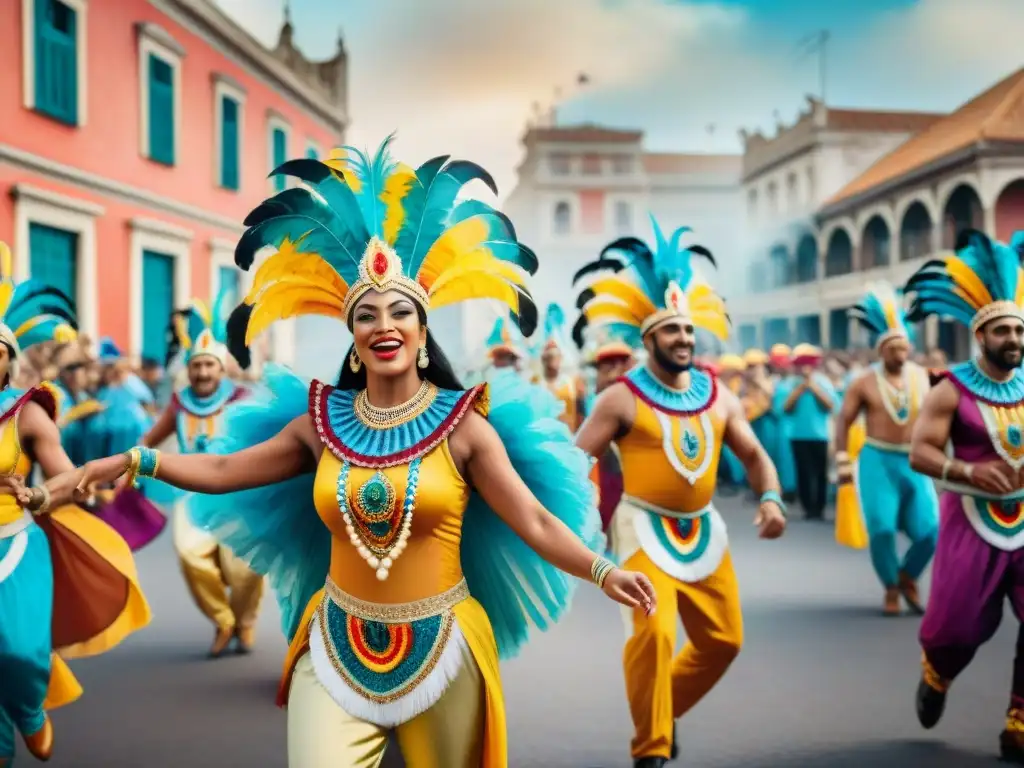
x=448 y=735
x=660 y=685
x=210 y=571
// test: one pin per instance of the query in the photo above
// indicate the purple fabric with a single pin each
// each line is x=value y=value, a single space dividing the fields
x=134 y=517
x=970 y=581
x=609 y=475
x=971 y=441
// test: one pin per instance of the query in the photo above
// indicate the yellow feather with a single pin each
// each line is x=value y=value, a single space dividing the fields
x=6 y=292
x=973 y=290
x=465 y=237
x=181 y=331
x=202 y=310
x=712 y=322
x=599 y=310
x=476 y=285
x=395 y=189
x=6 y=261
x=288 y=264
x=63 y=334
x=284 y=304
x=337 y=161
x=479 y=264
x=1019 y=298
x=626 y=292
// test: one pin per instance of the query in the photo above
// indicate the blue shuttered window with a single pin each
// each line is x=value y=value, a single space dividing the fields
x=838 y=329
x=808 y=330
x=748 y=336
x=157 y=302
x=56 y=65
x=229 y=128
x=161 y=111
x=279 y=152
x=776 y=331
x=53 y=258
x=228 y=278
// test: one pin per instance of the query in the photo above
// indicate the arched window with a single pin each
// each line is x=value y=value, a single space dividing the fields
x=563 y=218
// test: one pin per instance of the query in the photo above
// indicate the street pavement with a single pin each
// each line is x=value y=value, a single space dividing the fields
x=823 y=680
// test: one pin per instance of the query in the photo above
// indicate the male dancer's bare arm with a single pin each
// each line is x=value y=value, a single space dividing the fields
x=164 y=427
x=853 y=404
x=293 y=451
x=612 y=413
x=928 y=446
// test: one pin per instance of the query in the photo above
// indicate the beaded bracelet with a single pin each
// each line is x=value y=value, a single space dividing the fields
x=142 y=462
x=773 y=497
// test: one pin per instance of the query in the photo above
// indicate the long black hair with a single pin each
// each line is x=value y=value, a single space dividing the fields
x=438 y=372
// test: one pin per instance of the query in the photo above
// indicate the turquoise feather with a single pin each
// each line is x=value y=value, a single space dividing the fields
x=274 y=529
x=48 y=306
x=871 y=311
x=372 y=174
x=515 y=586
x=496 y=336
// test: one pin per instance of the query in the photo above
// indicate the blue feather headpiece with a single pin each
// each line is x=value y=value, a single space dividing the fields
x=32 y=312
x=881 y=313
x=201 y=330
x=982 y=281
x=642 y=288
x=501 y=340
x=554 y=327
x=108 y=352
x=370 y=224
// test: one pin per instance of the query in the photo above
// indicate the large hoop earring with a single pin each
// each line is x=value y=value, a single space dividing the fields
x=354 y=363
x=422 y=359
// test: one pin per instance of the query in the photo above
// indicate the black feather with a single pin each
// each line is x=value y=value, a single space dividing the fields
x=577 y=331
x=173 y=342
x=237 y=325
x=531 y=262
x=700 y=250
x=600 y=265
x=309 y=170
x=527 y=317
x=634 y=246
x=479 y=172
x=586 y=295
x=59 y=310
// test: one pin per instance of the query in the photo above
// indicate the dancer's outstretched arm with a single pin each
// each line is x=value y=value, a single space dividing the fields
x=293 y=451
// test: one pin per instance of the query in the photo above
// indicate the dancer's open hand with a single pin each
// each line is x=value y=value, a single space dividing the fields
x=632 y=589
x=101 y=472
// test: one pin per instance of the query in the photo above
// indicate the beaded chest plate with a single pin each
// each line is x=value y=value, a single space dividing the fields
x=999 y=523
x=1005 y=427
x=688 y=443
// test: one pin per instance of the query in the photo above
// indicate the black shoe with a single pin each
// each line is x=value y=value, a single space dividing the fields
x=930 y=705
x=1011 y=747
x=675 y=746
x=650 y=762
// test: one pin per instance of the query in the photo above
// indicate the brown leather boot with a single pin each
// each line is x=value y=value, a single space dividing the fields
x=40 y=743
x=1011 y=740
x=908 y=588
x=246 y=639
x=221 y=641
x=891 y=606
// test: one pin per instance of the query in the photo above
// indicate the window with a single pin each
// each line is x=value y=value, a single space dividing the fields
x=563 y=218
x=838 y=329
x=623 y=217
x=55 y=40
x=592 y=165
x=229 y=143
x=160 y=58
x=54 y=258
x=278 y=151
x=158 y=288
x=748 y=336
x=559 y=165
x=622 y=165
x=229 y=281
x=161 y=111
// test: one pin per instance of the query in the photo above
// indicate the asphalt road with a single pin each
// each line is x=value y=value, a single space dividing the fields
x=824 y=680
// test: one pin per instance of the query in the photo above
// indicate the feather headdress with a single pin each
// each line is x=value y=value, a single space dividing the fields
x=554 y=327
x=201 y=329
x=881 y=312
x=632 y=285
x=32 y=312
x=371 y=224
x=982 y=281
x=501 y=341
x=606 y=342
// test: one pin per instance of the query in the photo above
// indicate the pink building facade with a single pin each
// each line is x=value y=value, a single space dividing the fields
x=136 y=136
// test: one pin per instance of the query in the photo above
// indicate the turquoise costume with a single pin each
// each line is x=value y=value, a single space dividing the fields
x=124 y=419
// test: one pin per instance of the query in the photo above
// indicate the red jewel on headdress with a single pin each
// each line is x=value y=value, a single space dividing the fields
x=380 y=264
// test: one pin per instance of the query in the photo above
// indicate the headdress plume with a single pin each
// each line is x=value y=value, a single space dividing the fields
x=202 y=330
x=881 y=312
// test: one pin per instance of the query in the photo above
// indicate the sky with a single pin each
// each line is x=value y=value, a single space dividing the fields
x=460 y=77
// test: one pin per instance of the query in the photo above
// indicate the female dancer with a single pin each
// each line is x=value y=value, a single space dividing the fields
x=67 y=581
x=434 y=502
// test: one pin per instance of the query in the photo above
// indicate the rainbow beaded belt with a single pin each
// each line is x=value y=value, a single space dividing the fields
x=387 y=663
x=999 y=522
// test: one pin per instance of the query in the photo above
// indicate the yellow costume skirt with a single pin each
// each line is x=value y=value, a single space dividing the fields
x=464 y=728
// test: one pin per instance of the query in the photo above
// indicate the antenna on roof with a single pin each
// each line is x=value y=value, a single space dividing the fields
x=816 y=44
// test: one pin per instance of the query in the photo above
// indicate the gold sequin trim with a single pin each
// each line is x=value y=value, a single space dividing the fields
x=388 y=418
x=397 y=613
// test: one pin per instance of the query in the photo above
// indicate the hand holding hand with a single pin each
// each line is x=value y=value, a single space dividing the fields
x=770 y=520
x=632 y=589
x=14 y=485
x=994 y=477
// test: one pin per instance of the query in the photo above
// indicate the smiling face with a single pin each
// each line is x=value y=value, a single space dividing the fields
x=387 y=332
x=204 y=375
x=1002 y=342
x=671 y=345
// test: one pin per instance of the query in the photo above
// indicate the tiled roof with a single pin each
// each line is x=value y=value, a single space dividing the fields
x=584 y=134
x=995 y=115
x=874 y=120
x=674 y=162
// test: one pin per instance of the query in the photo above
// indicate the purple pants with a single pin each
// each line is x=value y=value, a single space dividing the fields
x=970 y=581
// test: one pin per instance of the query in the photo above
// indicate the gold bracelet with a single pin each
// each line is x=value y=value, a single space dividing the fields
x=44 y=503
x=946 y=466
x=134 y=460
x=600 y=569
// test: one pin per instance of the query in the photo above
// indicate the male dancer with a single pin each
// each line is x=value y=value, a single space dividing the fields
x=566 y=389
x=892 y=496
x=500 y=349
x=194 y=415
x=977 y=406
x=669 y=421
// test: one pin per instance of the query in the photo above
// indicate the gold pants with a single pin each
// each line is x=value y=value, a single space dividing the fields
x=322 y=735
x=210 y=571
x=660 y=686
